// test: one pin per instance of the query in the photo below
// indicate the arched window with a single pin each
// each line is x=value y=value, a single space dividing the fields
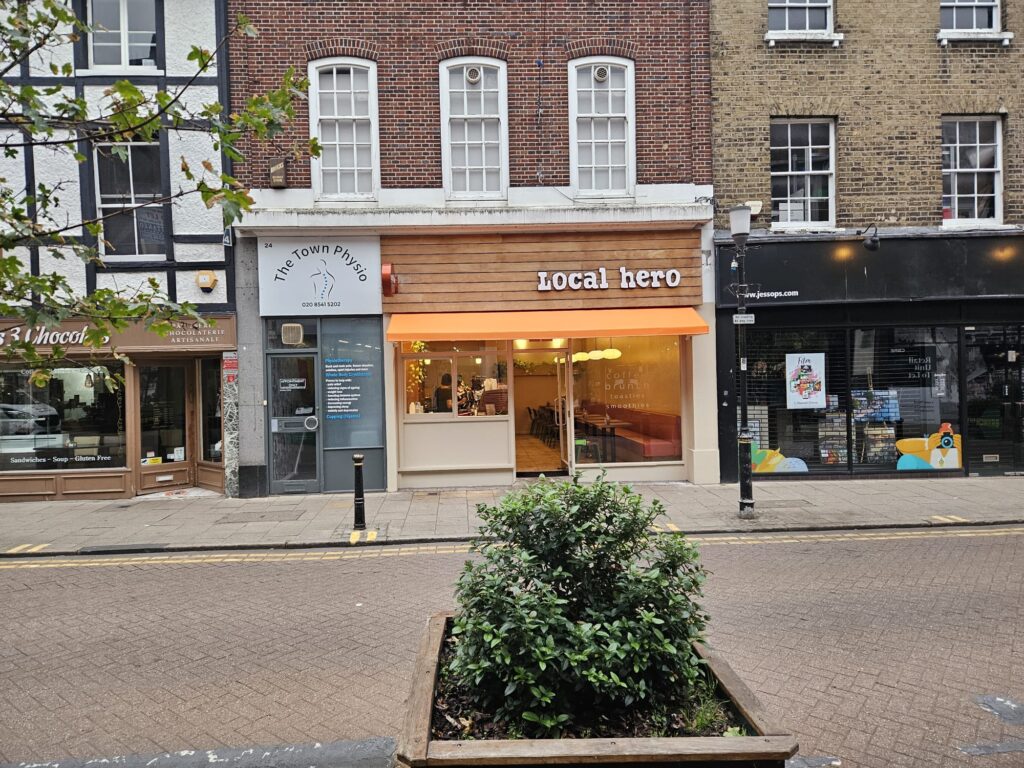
x=602 y=131
x=343 y=118
x=474 y=128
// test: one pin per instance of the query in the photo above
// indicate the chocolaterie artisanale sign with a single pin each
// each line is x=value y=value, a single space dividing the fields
x=190 y=335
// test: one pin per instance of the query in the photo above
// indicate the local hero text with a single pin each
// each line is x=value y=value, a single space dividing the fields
x=597 y=280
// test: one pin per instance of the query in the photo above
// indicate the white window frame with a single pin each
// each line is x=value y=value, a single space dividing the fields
x=827 y=35
x=995 y=32
x=574 y=170
x=446 y=142
x=312 y=74
x=782 y=226
x=997 y=182
x=124 y=66
x=100 y=207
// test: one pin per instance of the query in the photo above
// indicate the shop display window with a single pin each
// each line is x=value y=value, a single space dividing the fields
x=798 y=400
x=467 y=379
x=904 y=387
x=162 y=393
x=75 y=421
x=895 y=409
x=627 y=400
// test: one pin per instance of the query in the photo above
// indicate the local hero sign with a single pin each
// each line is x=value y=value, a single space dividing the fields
x=319 y=276
x=597 y=280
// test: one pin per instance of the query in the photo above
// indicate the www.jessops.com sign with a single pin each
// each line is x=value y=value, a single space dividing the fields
x=319 y=276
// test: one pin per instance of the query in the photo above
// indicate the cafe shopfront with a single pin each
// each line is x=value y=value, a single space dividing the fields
x=902 y=361
x=106 y=427
x=532 y=353
x=473 y=359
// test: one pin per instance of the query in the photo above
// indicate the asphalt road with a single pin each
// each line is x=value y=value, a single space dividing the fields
x=871 y=647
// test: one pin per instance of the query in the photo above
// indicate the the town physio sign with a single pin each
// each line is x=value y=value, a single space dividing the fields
x=597 y=280
x=319 y=276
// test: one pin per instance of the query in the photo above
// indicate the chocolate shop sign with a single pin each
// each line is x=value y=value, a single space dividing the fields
x=319 y=276
x=597 y=280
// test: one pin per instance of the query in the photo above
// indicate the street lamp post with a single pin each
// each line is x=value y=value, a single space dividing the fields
x=739 y=228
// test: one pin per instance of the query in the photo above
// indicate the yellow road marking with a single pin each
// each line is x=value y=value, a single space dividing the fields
x=672 y=526
x=37 y=548
x=18 y=548
x=353 y=537
x=449 y=549
x=371 y=535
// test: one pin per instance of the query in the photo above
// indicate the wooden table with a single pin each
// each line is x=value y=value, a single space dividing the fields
x=607 y=431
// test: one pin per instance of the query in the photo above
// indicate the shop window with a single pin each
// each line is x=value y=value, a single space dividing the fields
x=971 y=161
x=124 y=33
x=128 y=176
x=474 y=128
x=800 y=15
x=75 y=421
x=467 y=382
x=210 y=403
x=798 y=400
x=969 y=15
x=802 y=173
x=162 y=394
x=905 y=399
x=602 y=127
x=343 y=118
x=897 y=410
x=428 y=386
x=627 y=400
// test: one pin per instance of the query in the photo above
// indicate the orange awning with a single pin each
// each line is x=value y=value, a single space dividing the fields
x=545 y=324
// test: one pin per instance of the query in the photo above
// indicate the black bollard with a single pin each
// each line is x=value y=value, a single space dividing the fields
x=360 y=500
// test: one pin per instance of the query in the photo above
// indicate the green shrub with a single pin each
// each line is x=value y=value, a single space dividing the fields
x=575 y=611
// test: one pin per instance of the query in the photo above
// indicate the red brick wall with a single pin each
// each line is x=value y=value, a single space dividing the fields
x=669 y=43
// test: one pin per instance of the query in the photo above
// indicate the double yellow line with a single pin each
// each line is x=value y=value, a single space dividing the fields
x=396 y=550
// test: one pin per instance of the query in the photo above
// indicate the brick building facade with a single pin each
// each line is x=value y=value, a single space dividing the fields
x=668 y=42
x=902 y=356
x=887 y=85
x=516 y=172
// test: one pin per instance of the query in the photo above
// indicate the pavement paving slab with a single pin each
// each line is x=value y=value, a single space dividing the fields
x=45 y=528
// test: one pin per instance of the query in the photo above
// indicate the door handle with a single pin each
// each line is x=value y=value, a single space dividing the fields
x=311 y=423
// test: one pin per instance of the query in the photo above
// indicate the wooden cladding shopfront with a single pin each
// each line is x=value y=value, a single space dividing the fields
x=503 y=272
x=83 y=436
x=491 y=331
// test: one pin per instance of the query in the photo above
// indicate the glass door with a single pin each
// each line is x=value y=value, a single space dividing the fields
x=294 y=424
x=564 y=412
x=995 y=400
x=165 y=404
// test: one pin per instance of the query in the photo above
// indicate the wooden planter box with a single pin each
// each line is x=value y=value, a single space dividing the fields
x=769 y=748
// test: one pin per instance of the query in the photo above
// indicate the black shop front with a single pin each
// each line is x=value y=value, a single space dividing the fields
x=902 y=361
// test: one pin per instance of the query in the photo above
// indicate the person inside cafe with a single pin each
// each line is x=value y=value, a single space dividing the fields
x=443 y=394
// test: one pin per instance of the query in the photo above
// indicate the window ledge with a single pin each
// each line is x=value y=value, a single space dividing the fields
x=991 y=224
x=947 y=36
x=833 y=38
x=119 y=72
x=587 y=198
x=804 y=228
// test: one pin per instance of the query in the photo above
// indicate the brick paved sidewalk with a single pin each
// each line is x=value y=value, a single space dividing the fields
x=211 y=521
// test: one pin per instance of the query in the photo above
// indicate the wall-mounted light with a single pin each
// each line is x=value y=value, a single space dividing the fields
x=612 y=354
x=596 y=354
x=871 y=242
x=89 y=382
